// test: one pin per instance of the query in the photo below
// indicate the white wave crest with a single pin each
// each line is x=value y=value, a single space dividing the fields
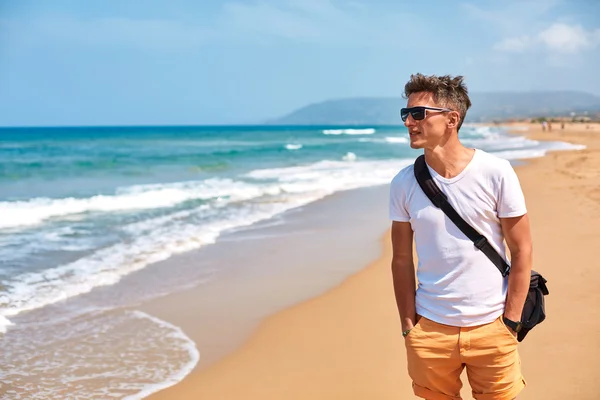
x=331 y=176
x=291 y=146
x=37 y=210
x=366 y=131
x=349 y=156
x=396 y=139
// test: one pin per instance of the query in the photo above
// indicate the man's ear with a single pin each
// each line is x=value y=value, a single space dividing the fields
x=454 y=119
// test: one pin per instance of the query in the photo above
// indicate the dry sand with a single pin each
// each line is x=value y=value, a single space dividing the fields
x=346 y=344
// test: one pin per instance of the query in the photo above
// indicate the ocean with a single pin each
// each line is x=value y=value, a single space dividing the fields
x=81 y=209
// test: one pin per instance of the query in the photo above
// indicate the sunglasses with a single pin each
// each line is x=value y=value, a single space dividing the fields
x=419 y=113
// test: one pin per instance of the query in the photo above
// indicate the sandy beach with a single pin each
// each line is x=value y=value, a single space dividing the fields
x=346 y=343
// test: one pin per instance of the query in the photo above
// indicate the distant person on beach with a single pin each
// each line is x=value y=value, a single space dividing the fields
x=463 y=313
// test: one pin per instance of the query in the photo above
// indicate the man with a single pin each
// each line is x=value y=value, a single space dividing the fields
x=459 y=316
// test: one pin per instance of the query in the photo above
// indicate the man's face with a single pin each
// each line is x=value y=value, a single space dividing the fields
x=427 y=133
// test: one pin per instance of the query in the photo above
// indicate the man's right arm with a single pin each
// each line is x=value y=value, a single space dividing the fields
x=403 y=273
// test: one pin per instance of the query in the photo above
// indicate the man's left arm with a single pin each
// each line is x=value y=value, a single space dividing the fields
x=517 y=234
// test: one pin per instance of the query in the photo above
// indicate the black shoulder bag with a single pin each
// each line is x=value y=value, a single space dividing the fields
x=534 y=310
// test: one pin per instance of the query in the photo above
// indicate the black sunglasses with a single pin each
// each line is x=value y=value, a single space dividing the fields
x=419 y=113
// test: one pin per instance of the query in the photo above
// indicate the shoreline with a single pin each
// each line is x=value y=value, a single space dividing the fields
x=262 y=270
x=358 y=360
x=294 y=328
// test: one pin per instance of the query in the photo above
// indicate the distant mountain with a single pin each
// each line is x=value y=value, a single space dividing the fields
x=486 y=107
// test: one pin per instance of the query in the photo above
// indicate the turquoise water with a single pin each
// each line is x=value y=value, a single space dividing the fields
x=82 y=208
x=58 y=162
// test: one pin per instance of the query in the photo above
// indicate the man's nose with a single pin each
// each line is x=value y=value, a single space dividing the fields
x=410 y=121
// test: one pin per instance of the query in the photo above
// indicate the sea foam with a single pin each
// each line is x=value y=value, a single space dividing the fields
x=177 y=334
x=138 y=197
x=139 y=354
x=366 y=131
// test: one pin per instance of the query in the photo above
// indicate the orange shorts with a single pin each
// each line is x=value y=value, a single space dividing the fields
x=437 y=355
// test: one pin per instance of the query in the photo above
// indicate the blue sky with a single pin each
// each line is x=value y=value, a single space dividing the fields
x=204 y=62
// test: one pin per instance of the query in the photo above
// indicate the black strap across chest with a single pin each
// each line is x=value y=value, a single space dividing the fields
x=440 y=200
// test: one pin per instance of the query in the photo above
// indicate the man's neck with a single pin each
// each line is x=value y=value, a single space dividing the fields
x=450 y=159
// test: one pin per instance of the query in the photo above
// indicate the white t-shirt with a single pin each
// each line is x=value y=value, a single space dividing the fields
x=457 y=284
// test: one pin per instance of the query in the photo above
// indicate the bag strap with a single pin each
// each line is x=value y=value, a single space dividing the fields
x=440 y=200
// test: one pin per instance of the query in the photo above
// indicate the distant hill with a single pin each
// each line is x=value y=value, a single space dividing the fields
x=486 y=107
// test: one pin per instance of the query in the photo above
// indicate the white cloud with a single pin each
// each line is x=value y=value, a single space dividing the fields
x=515 y=44
x=559 y=37
x=565 y=38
